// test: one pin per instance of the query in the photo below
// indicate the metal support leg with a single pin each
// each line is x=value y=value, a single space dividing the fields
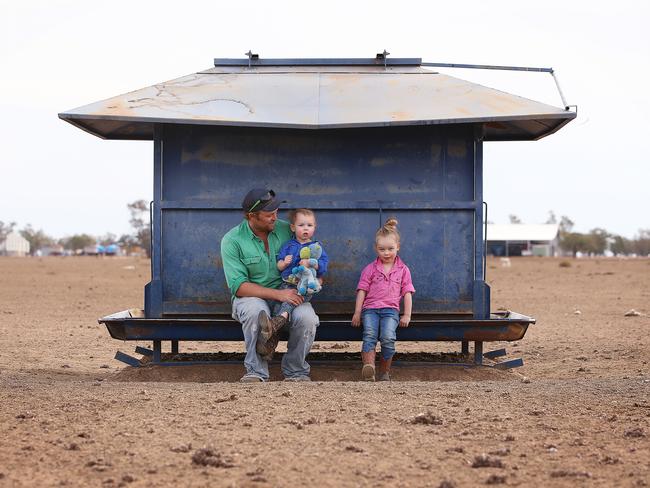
x=478 y=353
x=464 y=348
x=157 y=349
x=174 y=347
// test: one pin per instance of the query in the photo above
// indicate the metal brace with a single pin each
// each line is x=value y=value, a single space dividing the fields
x=251 y=57
x=383 y=56
x=507 y=68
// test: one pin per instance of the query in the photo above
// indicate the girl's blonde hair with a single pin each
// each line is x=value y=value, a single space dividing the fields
x=304 y=211
x=389 y=229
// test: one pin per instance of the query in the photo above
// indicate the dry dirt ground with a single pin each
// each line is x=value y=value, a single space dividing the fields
x=577 y=413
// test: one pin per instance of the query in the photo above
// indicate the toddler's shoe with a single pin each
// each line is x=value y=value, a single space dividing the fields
x=368 y=372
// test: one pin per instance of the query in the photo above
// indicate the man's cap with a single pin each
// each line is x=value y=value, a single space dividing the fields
x=260 y=199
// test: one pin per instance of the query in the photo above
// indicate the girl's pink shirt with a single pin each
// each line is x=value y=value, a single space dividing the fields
x=385 y=291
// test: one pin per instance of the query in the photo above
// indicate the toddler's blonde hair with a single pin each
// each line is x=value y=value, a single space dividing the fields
x=389 y=229
x=304 y=211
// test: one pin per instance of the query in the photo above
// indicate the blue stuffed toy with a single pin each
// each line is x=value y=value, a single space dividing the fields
x=305 y=277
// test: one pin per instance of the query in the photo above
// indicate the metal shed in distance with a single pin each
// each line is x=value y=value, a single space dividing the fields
x=357 y=140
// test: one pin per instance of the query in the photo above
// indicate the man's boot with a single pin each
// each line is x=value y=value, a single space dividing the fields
x=384 y=368
x=368 y=369
x=267 y=337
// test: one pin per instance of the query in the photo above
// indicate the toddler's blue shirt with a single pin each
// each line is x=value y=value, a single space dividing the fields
x=293 y=247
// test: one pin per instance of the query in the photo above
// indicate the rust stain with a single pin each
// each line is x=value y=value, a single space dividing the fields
x=378 y=162
x=457 y=148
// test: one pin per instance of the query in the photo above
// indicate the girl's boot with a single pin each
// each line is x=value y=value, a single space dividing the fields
x=368 y=369
x=384 y=368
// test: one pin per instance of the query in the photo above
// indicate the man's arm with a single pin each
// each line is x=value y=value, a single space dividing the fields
x=290 y=295
x=238 y=282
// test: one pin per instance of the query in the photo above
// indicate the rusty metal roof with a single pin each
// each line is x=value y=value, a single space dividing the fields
x=318 y=97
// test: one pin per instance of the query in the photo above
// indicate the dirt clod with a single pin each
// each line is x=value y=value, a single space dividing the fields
x=353 y=449
x=495 y=479
x=447 y=484
x=632 y=313
x=230 y=398
x=566 y=473
x=485 y=461
x=500 y=452
x=181 y=448
x=636 y=432
x=207 y=456
x=426 y=419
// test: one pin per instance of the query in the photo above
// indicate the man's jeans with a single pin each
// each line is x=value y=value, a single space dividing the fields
x=380 y=323
x=302 y=330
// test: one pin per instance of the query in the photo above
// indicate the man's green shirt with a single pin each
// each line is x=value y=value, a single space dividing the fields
x=245 y=260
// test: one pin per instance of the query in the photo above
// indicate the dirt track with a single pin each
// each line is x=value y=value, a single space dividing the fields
x=70 y=415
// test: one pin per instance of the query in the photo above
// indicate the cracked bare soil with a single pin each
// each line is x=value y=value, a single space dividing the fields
x=576 y=414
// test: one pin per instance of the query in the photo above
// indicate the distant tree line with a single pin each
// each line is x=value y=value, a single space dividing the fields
x=140 y=237
x=597 y=240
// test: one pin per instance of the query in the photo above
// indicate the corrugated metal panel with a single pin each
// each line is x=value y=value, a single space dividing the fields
x=522 y=232
x=316 y=97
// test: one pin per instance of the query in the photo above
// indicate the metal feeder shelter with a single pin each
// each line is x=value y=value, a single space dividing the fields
x=357 y=140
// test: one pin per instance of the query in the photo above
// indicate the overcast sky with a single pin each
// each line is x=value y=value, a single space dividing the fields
x=58 y=55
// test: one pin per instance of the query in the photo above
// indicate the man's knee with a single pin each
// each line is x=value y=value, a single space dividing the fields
x=304 y=316
x=248 y=308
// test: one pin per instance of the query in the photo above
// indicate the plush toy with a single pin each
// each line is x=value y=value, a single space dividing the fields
x=305 y=277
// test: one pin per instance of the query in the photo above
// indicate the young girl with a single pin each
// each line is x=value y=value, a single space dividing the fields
x=382 y=285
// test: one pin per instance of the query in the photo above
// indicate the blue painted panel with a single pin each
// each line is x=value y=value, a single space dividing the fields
x=459 y=167
x=192 y=269
x=390 y=164
x=353 y=179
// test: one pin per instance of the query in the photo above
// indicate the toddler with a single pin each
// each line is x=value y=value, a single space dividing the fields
x=303 y=225
x=382 y=285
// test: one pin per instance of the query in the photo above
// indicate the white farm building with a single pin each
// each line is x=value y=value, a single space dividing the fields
x=14 y=245
x=522 y=239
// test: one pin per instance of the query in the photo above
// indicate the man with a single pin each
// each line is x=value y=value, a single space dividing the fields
x=248 y=252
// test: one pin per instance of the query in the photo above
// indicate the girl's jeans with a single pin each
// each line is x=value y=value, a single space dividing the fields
x=380 y=323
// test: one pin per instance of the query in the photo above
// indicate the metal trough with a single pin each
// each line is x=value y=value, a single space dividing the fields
x=501 y=326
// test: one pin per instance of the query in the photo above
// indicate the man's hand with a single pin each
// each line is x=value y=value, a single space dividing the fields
x=356 y=319
x=404 y=320
x=291 y=296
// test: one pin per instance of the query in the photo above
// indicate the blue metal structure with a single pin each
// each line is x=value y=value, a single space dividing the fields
x=423 y=165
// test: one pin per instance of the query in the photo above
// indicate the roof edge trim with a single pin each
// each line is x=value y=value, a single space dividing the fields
x=318 y=62
x=77 y=120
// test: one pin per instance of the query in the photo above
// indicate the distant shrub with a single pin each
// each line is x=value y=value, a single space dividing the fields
x=565 y=264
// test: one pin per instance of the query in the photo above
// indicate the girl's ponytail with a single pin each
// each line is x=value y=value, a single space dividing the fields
x=389 y=229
